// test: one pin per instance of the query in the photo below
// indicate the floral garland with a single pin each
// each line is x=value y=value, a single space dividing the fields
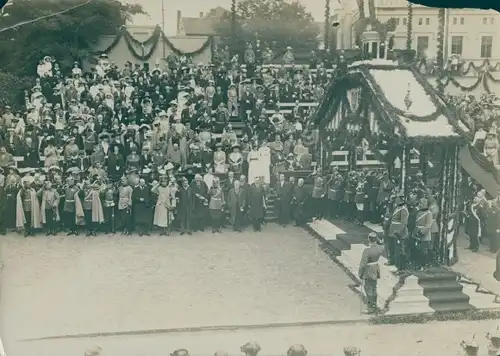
x=152 y=42
x=397 y=111
x=112 y=46
x=409 y=31
x=471 y=66
x=456 y=84
x=482 y=79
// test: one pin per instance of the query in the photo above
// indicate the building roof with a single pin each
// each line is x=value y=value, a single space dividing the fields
x=203 y=26
x=193 y=26
x=391 y=85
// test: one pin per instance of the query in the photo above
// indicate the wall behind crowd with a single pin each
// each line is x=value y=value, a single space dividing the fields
x=121 y=53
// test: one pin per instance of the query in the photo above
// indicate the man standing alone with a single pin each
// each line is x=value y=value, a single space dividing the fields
x=369 y=272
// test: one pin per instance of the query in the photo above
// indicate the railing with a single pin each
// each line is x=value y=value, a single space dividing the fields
x=341 y=158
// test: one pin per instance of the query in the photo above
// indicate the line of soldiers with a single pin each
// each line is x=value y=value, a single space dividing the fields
x=411 y=229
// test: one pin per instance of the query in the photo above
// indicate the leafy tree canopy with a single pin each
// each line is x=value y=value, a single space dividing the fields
x=68 y=37
x=279 y=22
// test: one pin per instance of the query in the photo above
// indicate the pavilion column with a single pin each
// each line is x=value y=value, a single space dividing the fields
x=423 y=161
x=443 y=204
x=405 y=167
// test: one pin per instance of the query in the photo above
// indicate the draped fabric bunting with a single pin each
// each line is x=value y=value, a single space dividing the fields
x=143 y=50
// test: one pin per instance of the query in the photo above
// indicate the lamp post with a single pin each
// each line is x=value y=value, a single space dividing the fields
x=327 y=25
x=233 y=27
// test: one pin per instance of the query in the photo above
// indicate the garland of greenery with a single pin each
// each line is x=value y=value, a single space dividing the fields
x=482 y=161
x=327 y=24
x=409 y=29
x=112 y=45
x=485 y=66
x=440 y=39
x=208 y=43
x=152 y=43
x=456 y=84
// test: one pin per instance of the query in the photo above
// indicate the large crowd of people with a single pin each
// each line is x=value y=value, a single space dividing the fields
x=157 y=146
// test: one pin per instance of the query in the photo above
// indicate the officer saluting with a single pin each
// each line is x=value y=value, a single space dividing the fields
x=398 y=234
x=369 y=271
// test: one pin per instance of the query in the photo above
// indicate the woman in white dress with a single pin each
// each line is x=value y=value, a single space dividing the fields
x=165 y=203
x=253 y=159
x=265 y=163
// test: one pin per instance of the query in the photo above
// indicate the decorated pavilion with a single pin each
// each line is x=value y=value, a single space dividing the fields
x=379 y=112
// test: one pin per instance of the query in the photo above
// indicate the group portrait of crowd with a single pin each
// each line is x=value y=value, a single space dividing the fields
x=185 y=147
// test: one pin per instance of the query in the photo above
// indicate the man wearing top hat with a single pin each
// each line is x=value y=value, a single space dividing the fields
x=27 y=208
x=200 y=203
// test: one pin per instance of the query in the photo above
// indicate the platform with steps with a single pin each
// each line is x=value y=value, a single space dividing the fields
x=348 y=246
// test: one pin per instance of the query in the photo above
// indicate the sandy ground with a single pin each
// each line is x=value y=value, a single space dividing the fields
x=71 y=285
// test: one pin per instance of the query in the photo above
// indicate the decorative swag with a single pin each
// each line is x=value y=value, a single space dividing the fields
x=147 y=47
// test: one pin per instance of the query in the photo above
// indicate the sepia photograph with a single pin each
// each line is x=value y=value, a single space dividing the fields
x=249 y=178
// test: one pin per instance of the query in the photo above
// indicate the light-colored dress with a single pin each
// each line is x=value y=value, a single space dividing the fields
x=164 y=206
x=51 y=158
x=220 y=162
x=253 y=166
x=265 y=164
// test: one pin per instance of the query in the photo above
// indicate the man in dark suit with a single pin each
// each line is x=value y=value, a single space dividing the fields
x=284 y=196
x=141 y=205
x=185 y=206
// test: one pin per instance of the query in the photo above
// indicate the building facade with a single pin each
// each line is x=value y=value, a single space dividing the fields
x=473 y=35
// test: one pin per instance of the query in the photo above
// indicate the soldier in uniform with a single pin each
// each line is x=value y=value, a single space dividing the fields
x=397 y=235
x=422 y=239
x=124 y=208
x=108 y=198
x=88 y=204
x=334 y=192
x=318 y=196
x=69 y=209
x=494 y=223
x=369 y=271
x=49 y=208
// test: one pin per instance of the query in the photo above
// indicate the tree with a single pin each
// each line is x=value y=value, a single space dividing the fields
x=285 y=23
x=71 y=36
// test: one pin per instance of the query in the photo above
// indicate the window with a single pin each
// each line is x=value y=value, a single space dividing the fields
x=404 y=21
x=485 y=20
x=454 y=20
x=420 y=21
x=457 y=45
x=492 y=20
x=486 y=46
x=427 y=21
x=422 y=45
x=462 y=21
x=397 y=19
